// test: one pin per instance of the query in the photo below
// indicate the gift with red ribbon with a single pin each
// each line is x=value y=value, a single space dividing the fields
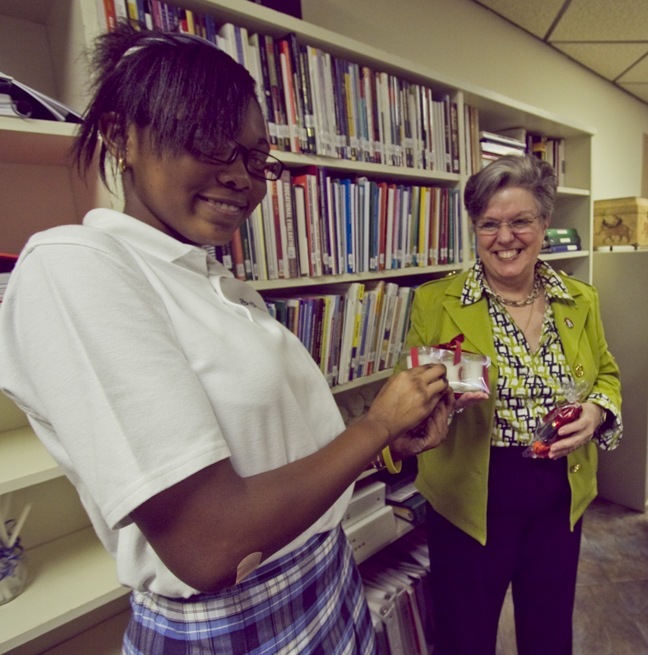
x=466 y=371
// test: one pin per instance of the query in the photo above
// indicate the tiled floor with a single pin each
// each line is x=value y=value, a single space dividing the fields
x=611 y=614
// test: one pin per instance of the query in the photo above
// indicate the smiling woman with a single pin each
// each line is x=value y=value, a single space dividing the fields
x=496 y=517
x=199 y=432
x=196 y=200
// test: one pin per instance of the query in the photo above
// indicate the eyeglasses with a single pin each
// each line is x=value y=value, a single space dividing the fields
x=519 y=225
x=258 y=163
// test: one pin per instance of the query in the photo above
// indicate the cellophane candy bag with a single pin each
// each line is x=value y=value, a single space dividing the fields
x=565 y=412
x=466 y=371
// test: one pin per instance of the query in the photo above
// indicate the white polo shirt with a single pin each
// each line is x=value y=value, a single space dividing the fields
x=140 y=360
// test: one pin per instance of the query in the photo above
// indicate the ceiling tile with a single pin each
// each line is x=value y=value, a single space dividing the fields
x=606 y=59
x=603 y=20
x=609 y=37
x=534 y=17
x=638 y=73
x=638 y=90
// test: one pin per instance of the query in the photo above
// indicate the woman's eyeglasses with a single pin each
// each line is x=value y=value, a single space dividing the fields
x=258 y=163
x=518 y=225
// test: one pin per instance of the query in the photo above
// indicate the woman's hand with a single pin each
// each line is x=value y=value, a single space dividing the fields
x=577 y=433
x=429 y=434
x=468 y=399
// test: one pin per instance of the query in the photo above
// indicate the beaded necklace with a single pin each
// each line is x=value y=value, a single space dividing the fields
x=535 y=292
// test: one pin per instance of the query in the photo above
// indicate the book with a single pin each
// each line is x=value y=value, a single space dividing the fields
x=238 y=259
x=270 y=238
x=555 y=240
x=276 y=91
x=561 y=240
x=353 y=301
x=496 y=148
x=503 y=138
x=301 y=222
x=291 y=99
x=291 y=235
x=106 y=14
x=410 y=509
x=561 y=232
x=305 y=87
x=384 y=607
x=326 y=222
x=389 y=585
x=561 y=247
x=275 y=191
x=18 y=99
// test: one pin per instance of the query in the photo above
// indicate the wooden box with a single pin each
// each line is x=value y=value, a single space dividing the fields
x=621 y=222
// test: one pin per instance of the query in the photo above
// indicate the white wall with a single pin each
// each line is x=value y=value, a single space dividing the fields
x=473 y=46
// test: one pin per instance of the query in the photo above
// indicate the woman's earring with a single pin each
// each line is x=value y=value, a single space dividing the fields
x=121 y=164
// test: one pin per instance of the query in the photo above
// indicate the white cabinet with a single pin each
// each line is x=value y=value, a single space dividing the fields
x=623 y=473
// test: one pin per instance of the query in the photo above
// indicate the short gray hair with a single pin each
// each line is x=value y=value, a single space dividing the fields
x=525 y=171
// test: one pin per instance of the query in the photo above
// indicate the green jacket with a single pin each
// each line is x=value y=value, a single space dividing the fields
x=454 y=476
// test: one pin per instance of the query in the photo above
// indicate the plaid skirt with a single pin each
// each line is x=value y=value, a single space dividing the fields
x=309 y=602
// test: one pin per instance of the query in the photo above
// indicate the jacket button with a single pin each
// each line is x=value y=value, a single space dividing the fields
x=575 y=468
x=579 y=370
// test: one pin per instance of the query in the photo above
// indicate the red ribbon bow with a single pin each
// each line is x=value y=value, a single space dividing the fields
x=454 y=345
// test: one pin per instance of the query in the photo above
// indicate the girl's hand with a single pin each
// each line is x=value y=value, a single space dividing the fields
x=429 y=434
x=407 y=399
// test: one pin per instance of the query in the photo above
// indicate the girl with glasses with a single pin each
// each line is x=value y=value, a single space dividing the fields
x=201 y=436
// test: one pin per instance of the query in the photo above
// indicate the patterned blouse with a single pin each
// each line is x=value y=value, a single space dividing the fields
x=529 y=384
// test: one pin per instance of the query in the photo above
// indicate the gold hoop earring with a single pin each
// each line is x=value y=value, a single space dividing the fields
x=121 y=164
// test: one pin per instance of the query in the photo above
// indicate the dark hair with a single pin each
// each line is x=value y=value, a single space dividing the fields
x=525 y=171
x=177 y=85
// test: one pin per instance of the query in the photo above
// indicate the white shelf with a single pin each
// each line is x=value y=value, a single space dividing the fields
x=27 y=141
x=368 y=168
x=67 y=578
x=345 y=278
x=402 y=528
x=24 y=461
x=570 y=191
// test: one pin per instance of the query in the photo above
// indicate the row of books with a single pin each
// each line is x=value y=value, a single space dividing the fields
x=396 y=583
x=483 y=146
x=561 y=239
x=395 y=571
x=314 y=223
x=520 y=141
x=352 y=334
x=315 y=102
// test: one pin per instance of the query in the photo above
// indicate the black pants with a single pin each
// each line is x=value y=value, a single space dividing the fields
x=529 y=544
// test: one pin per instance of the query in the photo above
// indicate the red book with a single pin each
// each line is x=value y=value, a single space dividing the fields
x=111 y=17
x=238 y=260
x=308 y=222
x=288 y=79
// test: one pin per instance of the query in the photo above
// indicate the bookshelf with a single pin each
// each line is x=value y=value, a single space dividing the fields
x=33 y=156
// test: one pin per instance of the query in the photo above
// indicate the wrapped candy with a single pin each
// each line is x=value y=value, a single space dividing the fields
x=466 y=371
x=547 y=432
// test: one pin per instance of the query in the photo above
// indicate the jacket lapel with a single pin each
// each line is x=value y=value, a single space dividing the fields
x=471 y=320
x=570 y=321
